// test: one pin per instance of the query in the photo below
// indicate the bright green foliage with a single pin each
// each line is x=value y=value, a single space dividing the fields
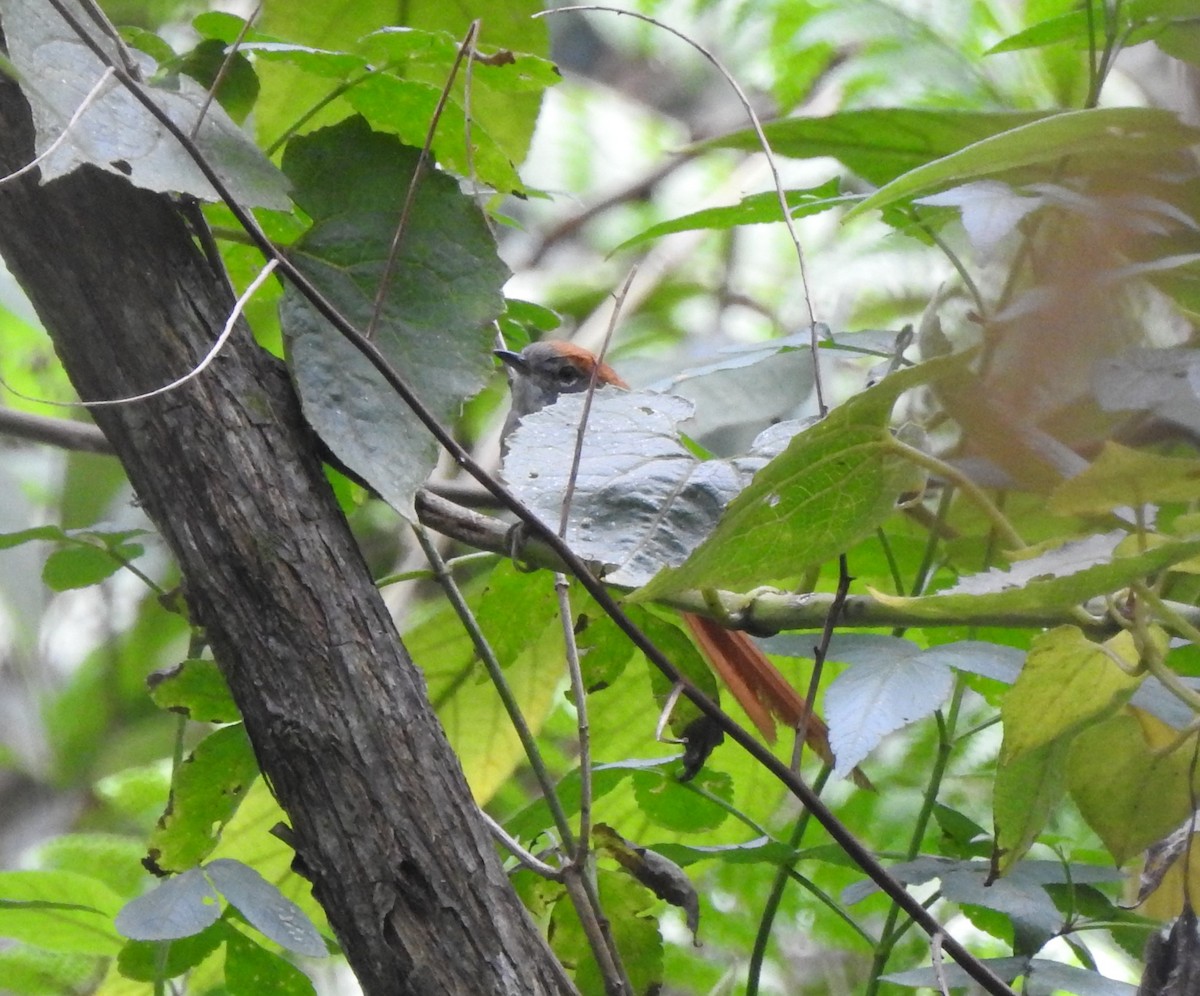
x=195 y=689
x=59 y=911
x=1100 y=136
x=207 y=790
x=879 y=145
x=1123 y=476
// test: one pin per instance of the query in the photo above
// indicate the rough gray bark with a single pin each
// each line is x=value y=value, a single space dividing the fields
x=334 y=707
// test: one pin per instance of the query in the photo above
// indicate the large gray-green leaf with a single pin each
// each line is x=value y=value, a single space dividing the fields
x=116 y=133
x=444 y=291
x=642 y=499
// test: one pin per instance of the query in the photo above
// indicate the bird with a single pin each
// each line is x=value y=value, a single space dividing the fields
x=541 y=372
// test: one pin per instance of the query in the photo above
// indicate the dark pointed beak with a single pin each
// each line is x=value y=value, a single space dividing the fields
x=510 y=359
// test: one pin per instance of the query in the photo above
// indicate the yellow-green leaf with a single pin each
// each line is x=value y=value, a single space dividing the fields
x=1026 y=792
x=1067 y=682
x=1130 y=791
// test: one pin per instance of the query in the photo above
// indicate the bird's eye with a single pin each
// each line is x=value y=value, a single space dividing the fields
x=567 y=375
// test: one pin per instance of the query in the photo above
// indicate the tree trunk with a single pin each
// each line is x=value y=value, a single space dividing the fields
x=336 y=711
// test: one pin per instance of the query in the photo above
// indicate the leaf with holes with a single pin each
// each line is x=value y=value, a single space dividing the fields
x=208 y=788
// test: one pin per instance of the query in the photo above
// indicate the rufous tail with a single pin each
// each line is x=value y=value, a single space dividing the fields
x=760 y=688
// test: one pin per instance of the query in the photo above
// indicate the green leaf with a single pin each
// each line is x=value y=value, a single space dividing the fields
x=1130 y=790
x=114 y=860
x=238 y=90
x=835 y=482
x=142 y=960
x=676 y=806
x=1067 y=682
x=625 y=903
x=1027 y=791
x=1113 y=133
x=59 y=911
x=136 y=792
x=1066 y=27
x=509 y=109
x=406 y=107
x=880 y=145
x=760 y=850
x=251 y=970
x=209 y=786
x=196 y=689
x=510 y=95
x=518 y=615
x=78 y=567
x=31 y=971
x=535 y=818
x=442 y=294
x=961 y=836
x=757 y=209
x=1123 y=476
x=47 y=532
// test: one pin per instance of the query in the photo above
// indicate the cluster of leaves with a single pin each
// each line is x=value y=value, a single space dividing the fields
x=1071 y=231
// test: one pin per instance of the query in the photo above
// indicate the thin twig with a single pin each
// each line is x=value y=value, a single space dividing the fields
x=223 y=69
x=581 y=429
x=939 y=965
x=410 y=195
x=599 y=935
x=477 y=188
x=819 y=652
x=513 y=846
x=583 y=735
x=578 y=690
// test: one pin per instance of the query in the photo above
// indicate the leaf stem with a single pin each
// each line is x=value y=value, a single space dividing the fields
x=964 y=483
